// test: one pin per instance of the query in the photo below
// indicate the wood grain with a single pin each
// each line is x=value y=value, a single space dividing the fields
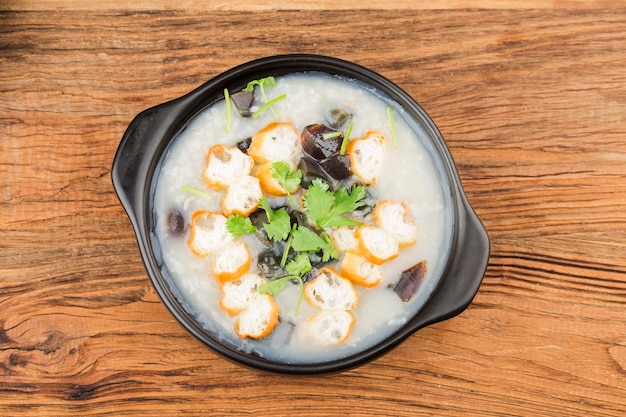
x=269 y=5
x=532 y=105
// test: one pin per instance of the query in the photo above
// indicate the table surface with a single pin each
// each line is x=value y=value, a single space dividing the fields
x=531 y=99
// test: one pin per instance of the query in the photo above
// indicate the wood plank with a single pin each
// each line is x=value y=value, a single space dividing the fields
x=532 y=105
x=267 y=5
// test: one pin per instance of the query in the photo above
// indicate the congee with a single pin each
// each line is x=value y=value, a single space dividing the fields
x=302 y=218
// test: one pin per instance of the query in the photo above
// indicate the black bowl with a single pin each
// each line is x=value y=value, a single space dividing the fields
x=146 y=140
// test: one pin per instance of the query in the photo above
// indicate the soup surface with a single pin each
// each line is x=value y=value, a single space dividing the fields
x=409 y=175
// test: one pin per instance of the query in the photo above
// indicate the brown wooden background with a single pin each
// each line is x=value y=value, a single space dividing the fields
x=531 y=97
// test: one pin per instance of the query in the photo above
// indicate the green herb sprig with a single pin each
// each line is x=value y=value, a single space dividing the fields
x=262 y=83
x=296 y=268
x=279 y=225
x=288 y=179
x=326 y=208
x=306 y=240
x=239 y=225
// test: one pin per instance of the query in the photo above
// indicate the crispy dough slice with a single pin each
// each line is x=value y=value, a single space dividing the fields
x=242 y=197
x=269 y=184
x=225 y=165
x=330 y=327
x=343 y=238
x=376 y=245
x=393 y=218
x=331 y=291
x=366 y=156
x=275 y=142
x=237 y=295
x=259 y=319
x=232 y=262
x=360 y=271
x=208 y=233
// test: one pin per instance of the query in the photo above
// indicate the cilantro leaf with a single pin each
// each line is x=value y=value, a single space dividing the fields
x=326 y=208
x=347 y=202
x=266 y=206
x=306 y=240
x=299 y=266
x=238 y=225
x=279 y=227
x=288 y=179
x=296 y=268
x=262 y=83
x=318 y=201
x=342 y=221
x=274 y=287
x=329 y=248
x=279 y=224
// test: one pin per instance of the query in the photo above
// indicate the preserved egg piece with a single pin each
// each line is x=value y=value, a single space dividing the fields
x=316 y=260
x=337 y=166
x=299 y=218
x=243 y=101
x=410 y=281
x=312 y=169
x=337 y=117
x=176 y=223
x=312 y=274
x=314 y=143
x=269 y=264
x=258 y=218
x=243 y=145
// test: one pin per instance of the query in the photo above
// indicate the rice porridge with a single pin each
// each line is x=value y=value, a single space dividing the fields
x=372 y=158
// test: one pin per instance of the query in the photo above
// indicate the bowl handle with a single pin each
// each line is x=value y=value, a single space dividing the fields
x=465 y=273
x=135 y=155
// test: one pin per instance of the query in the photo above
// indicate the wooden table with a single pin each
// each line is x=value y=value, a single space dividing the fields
x=531 y=98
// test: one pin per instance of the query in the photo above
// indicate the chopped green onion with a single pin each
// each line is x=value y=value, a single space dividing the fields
x=228 y=110
x=330 y=135
x=196 y=192
x=346 y=138
x=392 y=126
x=266 y=101
x=268 y=105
